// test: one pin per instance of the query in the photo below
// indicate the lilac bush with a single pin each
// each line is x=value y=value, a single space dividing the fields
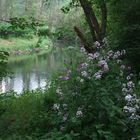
x=99 y=97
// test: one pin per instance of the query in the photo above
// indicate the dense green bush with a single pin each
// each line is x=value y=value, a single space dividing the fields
x=124 y=25
x=43 y=31
x=93 y=104
x=7 y=31
x=23 y=27
x=3 y=64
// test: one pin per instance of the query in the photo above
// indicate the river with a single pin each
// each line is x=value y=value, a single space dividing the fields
x=33 y=72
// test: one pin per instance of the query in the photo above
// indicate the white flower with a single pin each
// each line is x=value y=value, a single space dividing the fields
x=90 y=56
x=56 y=106
x=122 y=67
x=128 y=77
x=123 y=52
x=81 y=80
x=134 y=116
x=129 y=109
x=59 y=91
x=130 y=84
x=117 y=54
x=106 y=68
x=102 y=63
x=98 y=75
x=84 y=65
x=96 y=55
x=84 y=73
x=128 y=98
x=97 y=44
x=83 y=50
x=110 y=53
x=119 y=61
x=124 y=90
x=79 y=113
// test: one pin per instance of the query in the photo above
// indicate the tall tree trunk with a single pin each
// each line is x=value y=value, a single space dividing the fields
x=104 y=18
x=91 y=19
x=98 y=31
x=84 y=40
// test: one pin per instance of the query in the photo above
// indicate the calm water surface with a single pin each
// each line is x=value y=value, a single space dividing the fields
x=33 y=72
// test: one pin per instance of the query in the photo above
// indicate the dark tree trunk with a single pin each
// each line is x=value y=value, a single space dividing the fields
x=91 y=19
x=104 y=18
x=83 y=39
x=98 y=31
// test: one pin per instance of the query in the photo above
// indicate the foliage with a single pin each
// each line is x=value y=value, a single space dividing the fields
x=3 y=64
x=124 y=28
x=92 y=101
x=23 y=27
x=98 y=99
x=44 y=42
x=15 y=44
x=43 y=31
x=6 y=31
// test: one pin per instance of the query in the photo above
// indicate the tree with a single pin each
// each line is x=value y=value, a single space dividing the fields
x=97 y=27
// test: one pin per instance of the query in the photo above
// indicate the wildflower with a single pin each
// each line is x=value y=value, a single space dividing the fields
x=84 y=73
x=81 y=80
x=128 y=77
x=123 y=52
x=134 y=117
x=124 y=90
x=122 y=67
x=59 y=91
x=119 y=61
x=128 y=98
x=129 y=109
x=118 y=53
x=105 y=67
x=79 y=113
x=97 y=44
x=64 y=78
x=83 y=50
x=96 y=55
x=90 y=56
x=84 y=65
x=110 y=54
x=102 y=63
x=98 y=75
x=56 y=106
x=78 y=78
x=130 y=84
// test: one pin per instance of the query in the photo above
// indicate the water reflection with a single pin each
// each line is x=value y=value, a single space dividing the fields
x=34 y=72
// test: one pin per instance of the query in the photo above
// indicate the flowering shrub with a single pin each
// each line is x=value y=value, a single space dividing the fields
x=99 y=99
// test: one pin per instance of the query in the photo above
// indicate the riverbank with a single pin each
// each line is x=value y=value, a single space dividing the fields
x=23 y=46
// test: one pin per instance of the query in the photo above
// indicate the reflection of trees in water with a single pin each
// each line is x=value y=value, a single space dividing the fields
x=32 y=73
x=0 y=86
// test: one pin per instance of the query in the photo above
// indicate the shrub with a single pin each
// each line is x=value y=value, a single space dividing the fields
x=43 y=31
x=100 y=100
